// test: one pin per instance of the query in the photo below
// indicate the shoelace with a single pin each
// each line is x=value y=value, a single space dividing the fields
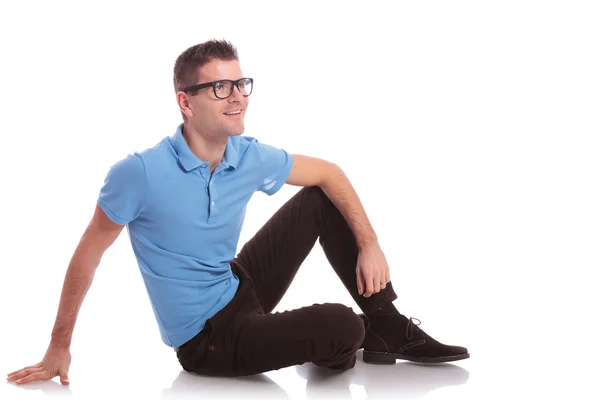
x=409 y=327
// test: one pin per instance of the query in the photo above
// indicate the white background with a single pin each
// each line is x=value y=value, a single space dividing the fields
x=468 y=128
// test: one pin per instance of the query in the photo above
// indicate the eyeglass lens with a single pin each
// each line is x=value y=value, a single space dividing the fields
x=224 y=89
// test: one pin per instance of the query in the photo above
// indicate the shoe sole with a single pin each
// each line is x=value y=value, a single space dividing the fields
x=374 y=357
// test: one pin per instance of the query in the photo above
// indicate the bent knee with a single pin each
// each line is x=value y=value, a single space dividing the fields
x=345 y=323
x=314 y=194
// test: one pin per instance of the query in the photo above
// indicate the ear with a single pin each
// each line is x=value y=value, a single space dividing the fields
x=183 y=100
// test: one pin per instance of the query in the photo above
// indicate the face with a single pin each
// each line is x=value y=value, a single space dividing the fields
x=209 y=114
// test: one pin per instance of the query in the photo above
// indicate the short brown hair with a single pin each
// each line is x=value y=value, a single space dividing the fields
x=191 y=60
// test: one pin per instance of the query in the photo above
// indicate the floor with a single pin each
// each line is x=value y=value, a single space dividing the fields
x=469 y=379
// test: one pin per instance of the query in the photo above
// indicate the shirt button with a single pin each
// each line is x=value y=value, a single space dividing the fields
x=212 y=204
x=203 y=166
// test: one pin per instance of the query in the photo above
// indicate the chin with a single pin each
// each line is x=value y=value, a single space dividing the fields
x=236 y=132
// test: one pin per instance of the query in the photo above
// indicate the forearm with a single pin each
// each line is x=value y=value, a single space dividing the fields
x=342 y=194
x=78 y=280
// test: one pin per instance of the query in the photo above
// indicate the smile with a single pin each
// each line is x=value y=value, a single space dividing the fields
x=236 y=112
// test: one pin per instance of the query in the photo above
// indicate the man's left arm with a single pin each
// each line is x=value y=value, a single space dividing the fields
x=371 y=264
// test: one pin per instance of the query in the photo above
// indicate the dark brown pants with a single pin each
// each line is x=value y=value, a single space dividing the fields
x=246 y=338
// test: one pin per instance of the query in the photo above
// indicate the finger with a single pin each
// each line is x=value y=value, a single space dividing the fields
x=369 y=283
x=387 y=275
x=25 y=372
x=64 y=379
x=38 y=376
x=360 y=282
x=23 y=369
x=14 y=372
x=376 y=285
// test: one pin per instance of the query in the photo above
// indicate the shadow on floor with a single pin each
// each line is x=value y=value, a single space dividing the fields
x=402 y=380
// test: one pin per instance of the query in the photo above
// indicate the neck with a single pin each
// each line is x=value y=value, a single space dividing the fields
x=207 y=148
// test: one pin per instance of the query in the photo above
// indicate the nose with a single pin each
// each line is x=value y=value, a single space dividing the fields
x=236 y=95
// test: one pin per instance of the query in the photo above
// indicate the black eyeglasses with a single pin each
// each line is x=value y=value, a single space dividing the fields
x=224 y=88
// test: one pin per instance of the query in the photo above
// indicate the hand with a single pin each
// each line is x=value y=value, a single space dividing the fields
x=372 y=270
x=56 y=362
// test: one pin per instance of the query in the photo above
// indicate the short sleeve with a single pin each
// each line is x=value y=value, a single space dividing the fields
x=123 y=194
x=275 y=166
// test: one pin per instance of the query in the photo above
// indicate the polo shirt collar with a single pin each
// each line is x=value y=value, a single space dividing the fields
x=230 y=158
x=188 y=159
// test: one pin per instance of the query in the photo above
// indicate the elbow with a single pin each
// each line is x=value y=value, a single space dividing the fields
x=331 y=173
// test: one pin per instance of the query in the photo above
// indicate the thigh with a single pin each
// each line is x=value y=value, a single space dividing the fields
x=317 y=333
x=272 y=257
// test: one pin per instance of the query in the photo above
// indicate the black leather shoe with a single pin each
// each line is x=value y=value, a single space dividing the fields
x=391 y=337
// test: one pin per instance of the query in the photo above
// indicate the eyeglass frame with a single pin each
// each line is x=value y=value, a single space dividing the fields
x=195 y=88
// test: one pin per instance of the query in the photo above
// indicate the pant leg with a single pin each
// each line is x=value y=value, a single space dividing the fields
x=327 y=335
x=273 y=256
x=242 y=339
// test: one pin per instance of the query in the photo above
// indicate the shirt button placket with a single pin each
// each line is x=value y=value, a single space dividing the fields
x=212 y=194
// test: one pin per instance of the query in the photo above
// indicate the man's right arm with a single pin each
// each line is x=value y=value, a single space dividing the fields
x=97 y=238
x=99 y=235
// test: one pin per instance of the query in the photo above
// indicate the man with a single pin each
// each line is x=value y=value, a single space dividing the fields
x=184 y=202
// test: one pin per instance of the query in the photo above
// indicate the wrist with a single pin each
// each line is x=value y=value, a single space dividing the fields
x=367 y=243
x=60 y=344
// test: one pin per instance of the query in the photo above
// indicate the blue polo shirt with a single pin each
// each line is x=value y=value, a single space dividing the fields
x=184 y=223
